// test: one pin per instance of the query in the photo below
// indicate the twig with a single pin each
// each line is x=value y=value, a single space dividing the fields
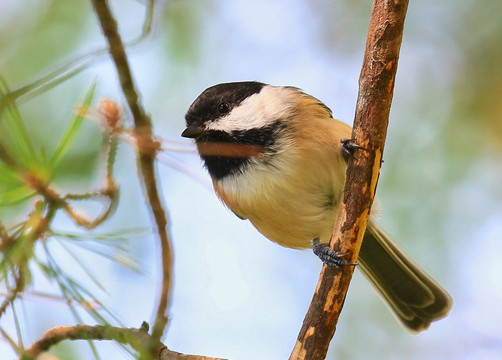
x=133 y=337
x=143 y=128
x=136 y=338
x=14 y=293
x=376 y=84
x=11 y=341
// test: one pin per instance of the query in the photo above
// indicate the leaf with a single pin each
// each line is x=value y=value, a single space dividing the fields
x=71 y=131
x=16 y=195
x=82 y=265
x=111 y=245
x=9 y=176
x=15 y=132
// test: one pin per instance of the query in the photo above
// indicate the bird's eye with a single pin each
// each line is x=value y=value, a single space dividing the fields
x=223 y=108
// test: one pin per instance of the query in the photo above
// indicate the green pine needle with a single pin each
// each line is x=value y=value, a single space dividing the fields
x=71 y=131
x=14 y=131
x=16 y=195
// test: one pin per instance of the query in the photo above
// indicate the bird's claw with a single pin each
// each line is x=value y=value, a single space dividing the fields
x=348 y=148
x=328 y=256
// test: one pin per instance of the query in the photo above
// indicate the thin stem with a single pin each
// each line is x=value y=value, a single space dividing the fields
x=13 y=293
x=143 y=128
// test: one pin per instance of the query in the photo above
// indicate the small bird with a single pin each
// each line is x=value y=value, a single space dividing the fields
x=276 y=156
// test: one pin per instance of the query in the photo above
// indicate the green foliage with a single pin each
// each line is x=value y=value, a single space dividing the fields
x=21 y=166
x=13 y=133
x=71 y=131
x=27 y=173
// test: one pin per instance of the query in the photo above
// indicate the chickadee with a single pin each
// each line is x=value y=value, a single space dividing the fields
x=275 y=157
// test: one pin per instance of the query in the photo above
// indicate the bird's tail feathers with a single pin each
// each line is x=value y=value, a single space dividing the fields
x=414 y=297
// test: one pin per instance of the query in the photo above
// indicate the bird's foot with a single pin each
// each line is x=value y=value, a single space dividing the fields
x=328 y=256
x=348 y=148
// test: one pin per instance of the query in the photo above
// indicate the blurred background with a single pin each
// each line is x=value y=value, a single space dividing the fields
x=237 y=295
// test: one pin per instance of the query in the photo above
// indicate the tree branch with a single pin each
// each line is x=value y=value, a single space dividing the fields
x=143 y=128
x=137 y=338
x=376 y=84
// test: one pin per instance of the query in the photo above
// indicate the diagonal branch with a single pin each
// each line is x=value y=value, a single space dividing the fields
x=143 y=128
x=376 y=84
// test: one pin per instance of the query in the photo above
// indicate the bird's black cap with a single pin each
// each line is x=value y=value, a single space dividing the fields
x=218 y=100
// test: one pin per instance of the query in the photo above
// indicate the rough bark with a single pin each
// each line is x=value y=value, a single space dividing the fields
x=376 y=84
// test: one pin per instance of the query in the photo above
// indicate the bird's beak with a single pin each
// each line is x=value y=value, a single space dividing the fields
x=193 y=131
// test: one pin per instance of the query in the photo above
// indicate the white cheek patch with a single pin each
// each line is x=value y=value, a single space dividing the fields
x=257 y=111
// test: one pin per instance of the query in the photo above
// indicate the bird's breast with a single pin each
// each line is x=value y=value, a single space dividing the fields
x=289 y=202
